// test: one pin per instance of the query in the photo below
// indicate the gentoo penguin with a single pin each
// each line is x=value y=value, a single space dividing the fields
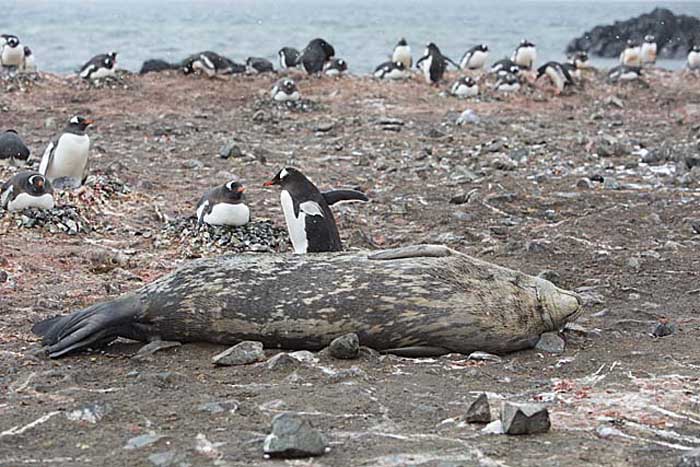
x=579 y=59
x=433 y=63
x=694 y=58
x=624 y=73
x=28 y=65
x=100 y=66
x=391 y=70
x=505 y=67
x=465 y=87
x=648 y=50
x=474 y=58
x=13 y=151
x=402 y=54
x=258 y=65
x=211 y=64
x=224 y=205
x=335 y=67
x=66 y=158
x=573 y=69
x=285 y=90
x=525 y=55
x=310 y=222
x=631 y=55
x=315 y=55
x=557 y=74
x=11 y=53
x=26 y=190
x=507 y=83
x=289 y=56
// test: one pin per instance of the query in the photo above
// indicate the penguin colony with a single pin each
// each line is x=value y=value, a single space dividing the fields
x=310 y=222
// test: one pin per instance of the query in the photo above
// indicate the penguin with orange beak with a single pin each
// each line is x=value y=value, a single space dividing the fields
x=26 y=190
x=224 y=205
x=65 y=160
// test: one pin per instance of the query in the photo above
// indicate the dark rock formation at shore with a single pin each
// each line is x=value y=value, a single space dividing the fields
x=674 y=34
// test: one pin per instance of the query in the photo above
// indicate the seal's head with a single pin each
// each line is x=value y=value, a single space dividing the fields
x=558 y=306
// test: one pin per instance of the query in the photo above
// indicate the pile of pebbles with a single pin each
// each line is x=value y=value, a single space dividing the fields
x=302 y=105
x=62 y=219
x=199 y=240
x=107 y=187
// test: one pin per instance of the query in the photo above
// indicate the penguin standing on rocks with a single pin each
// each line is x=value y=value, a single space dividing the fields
x=624 y=73
x=66 y=158
x=100 y=66
x=465 y=87
x=13 y=151
x=335 y=67
x=28 y=65
x=402 y=54
x=474 y=58
x=26 y=190
x=433 y=63
x=11 y=53
x=391 y=70
x=315 y=55
x=557 y=74
x=631 y=55
x=224 y=205
x=310 y=222
x=289 y=56
x=648 y=50
x=694 y=58
x=259 y=65
x=525 y=55
x=285 y=90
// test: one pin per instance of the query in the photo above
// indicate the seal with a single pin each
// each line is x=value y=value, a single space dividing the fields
x=417 y=301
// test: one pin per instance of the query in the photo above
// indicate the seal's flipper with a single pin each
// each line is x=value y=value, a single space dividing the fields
x=414 y=251
x=338 y=196
x=418 y=351
x=98 y=324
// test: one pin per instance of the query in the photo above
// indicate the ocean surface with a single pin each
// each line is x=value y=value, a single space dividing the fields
x=63 y=34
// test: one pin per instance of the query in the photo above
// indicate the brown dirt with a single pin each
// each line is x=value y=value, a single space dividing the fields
x=632 y=252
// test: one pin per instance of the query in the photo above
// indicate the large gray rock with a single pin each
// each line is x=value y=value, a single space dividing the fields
x=524 y=419
x=243 y=353
x=292 y=437
x=689 y=459
x=345 y=347
x=550 y=342
x=479 y=411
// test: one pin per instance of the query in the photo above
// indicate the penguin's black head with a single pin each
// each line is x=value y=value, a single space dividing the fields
x=399 y=65
x=113 y=56
x=469 y=81
x=288 y=86
x=402 y=42
x=234 y=189
x=632 y=43
x=286 y=175
x=695 y=48
x=341 y=64
x=11 y=130
x=36 y=184
x=12 y=41
x=526 y=43
x=27 y=51
x=431 y=48
x=79 y=123
x=581 y=56
x=327 y=49
x=484 y=48
x=649 y=39
x=187 y=67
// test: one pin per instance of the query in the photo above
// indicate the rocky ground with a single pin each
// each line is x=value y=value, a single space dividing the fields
x=599 y=188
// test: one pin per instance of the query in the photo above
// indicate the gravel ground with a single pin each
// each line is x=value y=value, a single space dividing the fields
x=598 y=188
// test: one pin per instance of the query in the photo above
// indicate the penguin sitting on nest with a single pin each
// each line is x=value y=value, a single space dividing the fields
x=211 y=64
x=310 y=222
x=65 y=160
x=26 y=190
x=285 y=90
x=335 y=67
x=391 y=70
x=224 y=205
x=465 y=87
x=100 y=66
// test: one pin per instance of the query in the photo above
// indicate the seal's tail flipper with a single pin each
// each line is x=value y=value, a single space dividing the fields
x=96 y=324
x=338 y=196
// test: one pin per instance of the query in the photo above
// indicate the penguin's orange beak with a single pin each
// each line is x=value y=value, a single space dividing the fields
x=269 y=183
x=240 y=190
x=39 y=183
x=89 y=121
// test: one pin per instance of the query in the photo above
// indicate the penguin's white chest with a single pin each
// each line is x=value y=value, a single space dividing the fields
x=556 y=77
x=25 y=200
x=648 y=52
x=476 y=61
x=525 y=56
x=508 y=87
x=462 y=90
x=296 y=226
x=694 y=60
x=281 y=96
x=402 y=54
x=425 y=66
x=628 y=76
x=70 y=157
x=102 y=73
x=225 y=214
x=29 y=64
x=631 y=56
x=12 y=56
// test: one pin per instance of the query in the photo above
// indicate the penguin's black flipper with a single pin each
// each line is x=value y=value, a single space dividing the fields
x=337 y=196
x=100 y=323
x=420 y=60
x=448 y=59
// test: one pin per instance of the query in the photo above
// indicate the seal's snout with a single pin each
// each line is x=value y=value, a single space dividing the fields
x=559 y=306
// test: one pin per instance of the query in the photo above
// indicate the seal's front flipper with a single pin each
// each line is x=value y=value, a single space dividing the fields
x=98 y=324
x=418 y=351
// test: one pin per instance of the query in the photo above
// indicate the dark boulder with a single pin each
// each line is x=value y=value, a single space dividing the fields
x=155 y=65
x=675 y=35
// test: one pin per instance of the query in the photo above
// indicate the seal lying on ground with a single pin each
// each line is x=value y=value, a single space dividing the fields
x=416 y=301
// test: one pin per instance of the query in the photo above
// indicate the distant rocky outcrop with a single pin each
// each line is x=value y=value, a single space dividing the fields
x=674 y=34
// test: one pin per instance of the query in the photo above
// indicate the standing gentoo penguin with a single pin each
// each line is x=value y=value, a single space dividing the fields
x=285 y=90
x=624 y=73
x=100 y=66
x=67 y=157
x=525 y=55
x=557 y=74
x=28 y=65
x=26 y=190
x=289 y=56
x=13 y=151
x=211 y=64
x=224 y=205
x=474 y=58
x=433 y=64
x=507 y=82
x=259 y=65
x=505 y=67
x=648 y=50
x=631 y=55
x=402 y=54
x=694 y=58
x=579 y=59
x=315 y=55
x=391 y=70
x=335 y=67
x=11 y=54
x=465 y=87
x=309 y=220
